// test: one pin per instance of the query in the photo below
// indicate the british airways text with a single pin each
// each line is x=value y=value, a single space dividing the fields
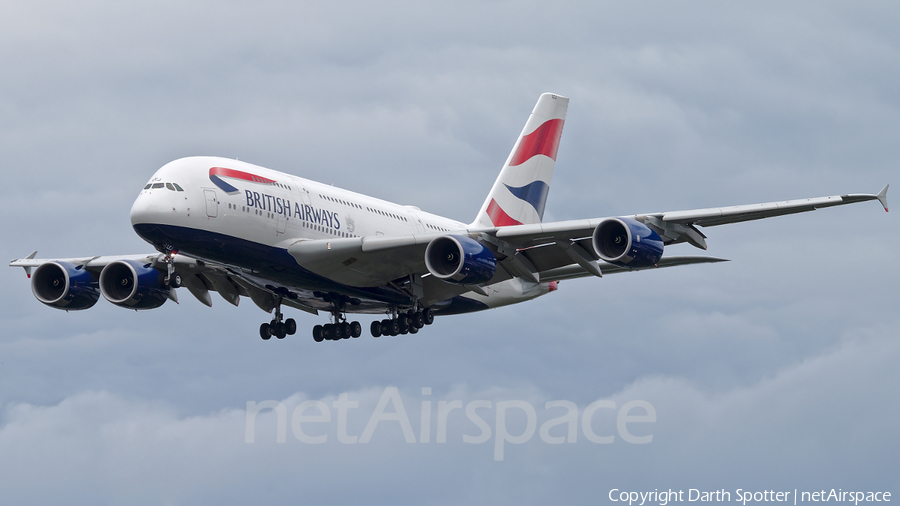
x=304 y=212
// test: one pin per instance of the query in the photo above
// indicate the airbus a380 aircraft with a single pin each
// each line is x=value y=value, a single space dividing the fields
x=243 y=230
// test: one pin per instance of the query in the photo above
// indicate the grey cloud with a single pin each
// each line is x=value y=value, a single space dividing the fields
x=772 y=368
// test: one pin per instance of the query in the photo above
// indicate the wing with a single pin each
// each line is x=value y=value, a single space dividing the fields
x=540 y=251
x=199 y=277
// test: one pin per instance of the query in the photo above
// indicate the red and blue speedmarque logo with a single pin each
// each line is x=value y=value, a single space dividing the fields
x=217 y=173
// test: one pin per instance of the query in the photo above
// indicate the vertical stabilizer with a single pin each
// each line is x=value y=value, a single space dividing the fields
x=520 y=192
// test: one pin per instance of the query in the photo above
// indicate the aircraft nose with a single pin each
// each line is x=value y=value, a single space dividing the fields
x=142 y=211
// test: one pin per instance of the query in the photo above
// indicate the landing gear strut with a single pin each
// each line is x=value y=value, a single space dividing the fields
x=277 y=327
x=173 y=279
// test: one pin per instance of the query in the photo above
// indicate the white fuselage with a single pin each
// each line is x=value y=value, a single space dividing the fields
x=274 y=213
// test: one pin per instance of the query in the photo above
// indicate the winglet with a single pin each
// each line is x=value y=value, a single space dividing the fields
x=28 y=269
x=882 y=197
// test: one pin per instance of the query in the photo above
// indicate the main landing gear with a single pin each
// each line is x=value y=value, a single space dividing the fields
x=278 y=328
x=404 y=323
x=336 y=331
x=340 y=328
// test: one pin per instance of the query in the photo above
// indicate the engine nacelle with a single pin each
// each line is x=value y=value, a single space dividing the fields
x=626 y=242
x=460 y=260
x=62 y=285
x=131 y=284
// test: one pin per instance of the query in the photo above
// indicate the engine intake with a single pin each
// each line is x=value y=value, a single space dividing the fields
x=62 y=285
x=130 y=284
x=460 y=260
x=626 y=242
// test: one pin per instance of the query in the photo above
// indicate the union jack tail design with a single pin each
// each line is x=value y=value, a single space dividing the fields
x=520 y=192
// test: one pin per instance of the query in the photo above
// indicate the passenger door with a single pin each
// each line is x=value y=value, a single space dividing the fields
x=212 y=204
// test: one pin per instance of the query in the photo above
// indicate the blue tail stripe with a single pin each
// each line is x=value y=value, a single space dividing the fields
x=534 y=193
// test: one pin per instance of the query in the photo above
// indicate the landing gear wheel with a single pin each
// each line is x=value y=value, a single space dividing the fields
x=337 y=332
x=346 y=331
x=375 y=328
x=175 y=281
x=265 y=331
x=394 y=326
x=418 y=320
x=429 y=316
x=403 y=323
x=278 y=330
x=413 y=330
x=290 y=326
x=318 y=335
x=355 y=330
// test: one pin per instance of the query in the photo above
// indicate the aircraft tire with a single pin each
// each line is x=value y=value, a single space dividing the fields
x=265 y=332
x=278 y=330
x=429 y=316
x=418 y=320
x=318 y=335
x=355 y=330
x=413 y=329
x=290 y=326
x=346 y=330
x=375 y=328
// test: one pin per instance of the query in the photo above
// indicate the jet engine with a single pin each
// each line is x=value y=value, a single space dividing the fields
x=626 y=242
x=64 y=286
x=133 y=285
x=460 y=260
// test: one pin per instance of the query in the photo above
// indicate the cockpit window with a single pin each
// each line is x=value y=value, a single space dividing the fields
x=148 y=186
x=170 y=187
x=178 y=188
x=158 y=185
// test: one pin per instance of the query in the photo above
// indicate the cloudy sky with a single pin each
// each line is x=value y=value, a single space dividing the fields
x=776 y=370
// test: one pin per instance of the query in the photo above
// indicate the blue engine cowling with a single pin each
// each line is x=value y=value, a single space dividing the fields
x=460 y=260
x=134 y=285
x=626 y=242
x=64 y=286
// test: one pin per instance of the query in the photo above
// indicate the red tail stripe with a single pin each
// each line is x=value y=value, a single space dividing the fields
x=543 y=141
x=498 y=216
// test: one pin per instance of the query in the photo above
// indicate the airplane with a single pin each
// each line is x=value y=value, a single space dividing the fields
x=246 y=231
